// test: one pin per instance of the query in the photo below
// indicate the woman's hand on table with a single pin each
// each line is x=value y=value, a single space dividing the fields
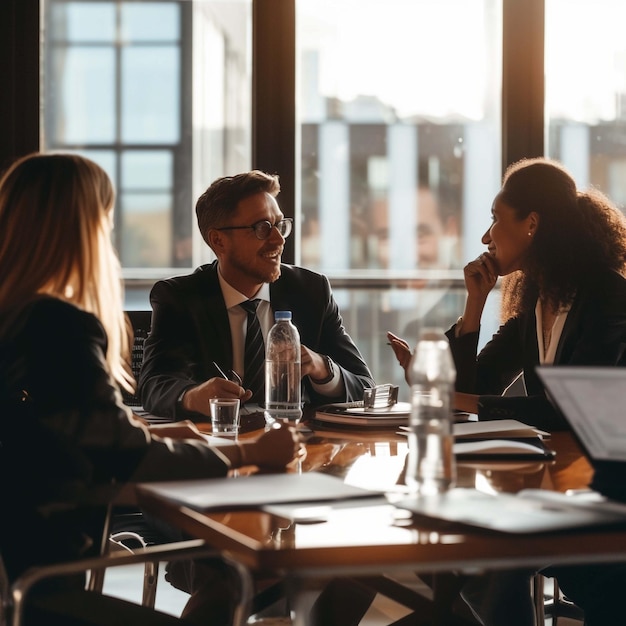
x=274 y=449
x=467 y=402
x=185 y=429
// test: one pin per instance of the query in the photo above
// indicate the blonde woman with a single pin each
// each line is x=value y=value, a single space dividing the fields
x=63 y=356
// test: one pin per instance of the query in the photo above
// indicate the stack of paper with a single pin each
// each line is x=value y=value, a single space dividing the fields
x=499 y=440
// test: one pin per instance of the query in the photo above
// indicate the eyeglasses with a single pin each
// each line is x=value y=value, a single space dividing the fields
x=263 y=228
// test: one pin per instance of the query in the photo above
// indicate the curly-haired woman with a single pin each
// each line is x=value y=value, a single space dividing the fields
x=562 y=255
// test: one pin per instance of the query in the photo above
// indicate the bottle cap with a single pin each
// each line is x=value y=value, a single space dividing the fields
x=282 y=315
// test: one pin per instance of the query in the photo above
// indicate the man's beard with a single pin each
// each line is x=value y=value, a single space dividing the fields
x=257 y=273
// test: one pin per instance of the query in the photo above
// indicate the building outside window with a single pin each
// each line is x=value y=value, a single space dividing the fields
x=586 y=92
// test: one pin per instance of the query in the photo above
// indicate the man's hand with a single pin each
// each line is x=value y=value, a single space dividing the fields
x=197 y=398
x=312 y=364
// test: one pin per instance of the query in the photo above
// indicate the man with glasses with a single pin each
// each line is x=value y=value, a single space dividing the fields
x=200 y=321
x=197 y=350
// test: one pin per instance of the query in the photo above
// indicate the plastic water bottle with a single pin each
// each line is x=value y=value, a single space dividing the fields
x=282 y=370
x=431 y=465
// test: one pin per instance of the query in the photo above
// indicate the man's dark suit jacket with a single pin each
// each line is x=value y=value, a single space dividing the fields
x=190 y=330
x=594 y=334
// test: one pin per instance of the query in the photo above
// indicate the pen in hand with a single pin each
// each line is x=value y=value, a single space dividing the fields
x=234 y=377
x=221 y=371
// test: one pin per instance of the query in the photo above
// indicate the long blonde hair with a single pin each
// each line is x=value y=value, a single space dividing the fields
x=55 y=225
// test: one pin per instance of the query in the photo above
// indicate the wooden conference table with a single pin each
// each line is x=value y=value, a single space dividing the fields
x=367 y=540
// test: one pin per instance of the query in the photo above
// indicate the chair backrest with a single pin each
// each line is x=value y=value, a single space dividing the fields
x=140 y=321
x=5 y=595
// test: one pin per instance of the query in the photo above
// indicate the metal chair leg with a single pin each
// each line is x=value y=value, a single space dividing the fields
x=151 y=569
x=539 y=600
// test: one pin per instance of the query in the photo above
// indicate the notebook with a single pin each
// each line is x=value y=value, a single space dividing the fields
x=355 y=414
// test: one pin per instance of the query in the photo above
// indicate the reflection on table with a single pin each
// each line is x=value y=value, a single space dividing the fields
x=365 y=538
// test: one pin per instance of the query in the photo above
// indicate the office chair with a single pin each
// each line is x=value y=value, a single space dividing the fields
x=125 y=541
x=140 y=322
x=76 y=607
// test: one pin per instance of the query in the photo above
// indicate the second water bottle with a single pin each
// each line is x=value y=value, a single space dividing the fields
x=431 y=467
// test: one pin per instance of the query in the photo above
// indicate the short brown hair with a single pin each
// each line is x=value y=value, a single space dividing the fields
x=220 y=200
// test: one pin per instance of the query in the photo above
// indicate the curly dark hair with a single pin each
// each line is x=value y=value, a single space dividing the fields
x=579 y=235
x=220 y=200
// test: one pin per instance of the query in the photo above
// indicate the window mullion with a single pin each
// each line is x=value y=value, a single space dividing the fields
x=274 y=99
x=523 y=83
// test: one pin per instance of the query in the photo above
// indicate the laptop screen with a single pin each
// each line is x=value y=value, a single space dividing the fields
x=593 y=401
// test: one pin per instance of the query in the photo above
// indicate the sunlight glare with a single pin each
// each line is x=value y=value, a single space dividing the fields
x=585 y=59
x=423 y=57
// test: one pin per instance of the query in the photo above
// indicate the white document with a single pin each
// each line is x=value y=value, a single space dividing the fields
x=502 y=429
x=529 y=511
x=256 y=490
x=503 y=449
x=496 y=428
x=497 y=439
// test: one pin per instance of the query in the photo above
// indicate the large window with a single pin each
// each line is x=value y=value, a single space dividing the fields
x=389 y=122
x=399 y=153
x=159 y=94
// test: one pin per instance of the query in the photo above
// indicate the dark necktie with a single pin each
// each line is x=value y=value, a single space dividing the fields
x=254 y=354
